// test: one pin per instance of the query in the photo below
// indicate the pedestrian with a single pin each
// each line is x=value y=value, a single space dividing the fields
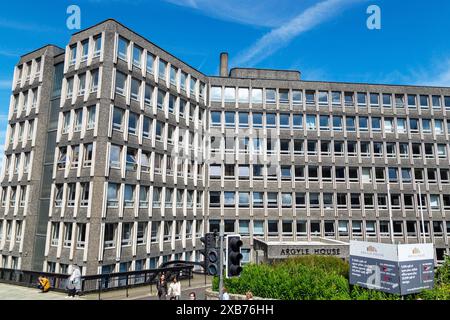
x=225 y=295
x=161 y=286
x=192 y=296
x=74 y=281
x=249 y=295
x=43 y=284
x=175 y=289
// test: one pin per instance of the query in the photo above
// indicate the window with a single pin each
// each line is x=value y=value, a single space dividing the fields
x=126 y=234
x=284 y=121
x=72 y=55
x=69 y=95
x=229 y=198
x=150 y=63
x=67 y=235
x=363 y=124
x=374 y=99
x=137 y=56
x=54 y=233
x=161 y=97
x=302 y=228
x=323 y=97
x=97 y=46
x=230 y=119
x=162 y=72
x=324 y=123
x=110 y=235
x=173 y=75
x=123 y=49
x=297 y=121
x=311 y=122
x=336 y=98
x=284 y=96
x=362 y=99
x=84 y=50
x=296 y=97
x=121 y=80
x=399 y=100
x=349 y=99
x=272 y=226
x=310 y=97
x=132 y=123
x=424 y=102
x=91 y=117
x=78 y=120
x=113 y=195
x=271 y=95
x=230 y=94
x=216 y=94
x=135 y=89
x=337 y=123
x=256 y=96
x=81 y=235
x=387 y=100
x=271 y=120
x=257 y=120
x=350 y=123
x=376 y=124
x=243 y=119
x=244 y=199
x=88 y=151
x=84 y=201
x=82 y=84
x=412 y=101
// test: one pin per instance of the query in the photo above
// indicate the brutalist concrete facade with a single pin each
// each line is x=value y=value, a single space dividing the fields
x=135 y=154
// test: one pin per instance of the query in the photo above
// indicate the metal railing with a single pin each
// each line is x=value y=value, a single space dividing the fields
x=98 y=283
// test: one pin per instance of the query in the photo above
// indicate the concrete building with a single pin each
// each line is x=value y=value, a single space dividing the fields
x=119 y=156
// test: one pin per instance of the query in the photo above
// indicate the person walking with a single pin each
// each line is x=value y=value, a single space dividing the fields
x=161 y=286
x=249 y=295
x=74 y=281
x=175 y=289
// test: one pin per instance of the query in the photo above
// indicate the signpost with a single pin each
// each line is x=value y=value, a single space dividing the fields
x=400 y=269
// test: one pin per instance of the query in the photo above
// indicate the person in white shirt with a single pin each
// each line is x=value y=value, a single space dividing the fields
x=225 y=295
x=175 y=289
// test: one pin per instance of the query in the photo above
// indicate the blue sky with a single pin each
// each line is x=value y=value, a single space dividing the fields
x=326 y=39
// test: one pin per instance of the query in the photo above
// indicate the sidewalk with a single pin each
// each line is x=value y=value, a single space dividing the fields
x=148 y=292
x=12 y=292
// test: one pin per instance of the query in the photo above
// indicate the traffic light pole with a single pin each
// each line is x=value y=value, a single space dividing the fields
x=221 y=261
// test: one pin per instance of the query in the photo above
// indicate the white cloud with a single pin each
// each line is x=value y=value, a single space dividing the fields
x=439 y=78
x=262 y=13
x=27 y=26
x=279 y=37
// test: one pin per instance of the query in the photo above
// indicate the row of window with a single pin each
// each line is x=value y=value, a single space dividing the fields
x=10 y=195
x=172 y=198
x=24 y=131
x=149 y=94
x=85 y=48
x=81 y=84
x=168 y=230
x=145 y=127
x=327 y=201
x=145 y=161
x=337 y=148
x=330 y=228
x=26 y=71
x=18 y=163
x=25 y=101
x=77 y=119
x=75 y=156
x=312 y=122
x=71 y=232
x=315 y=173
x=6 y=230
x=336 y=98
x=142 y=59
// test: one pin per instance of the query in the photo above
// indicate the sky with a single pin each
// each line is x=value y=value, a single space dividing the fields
x=326 y=40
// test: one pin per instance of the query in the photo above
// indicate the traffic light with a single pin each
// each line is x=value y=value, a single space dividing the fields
x=211 y=253
x=234 y=256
